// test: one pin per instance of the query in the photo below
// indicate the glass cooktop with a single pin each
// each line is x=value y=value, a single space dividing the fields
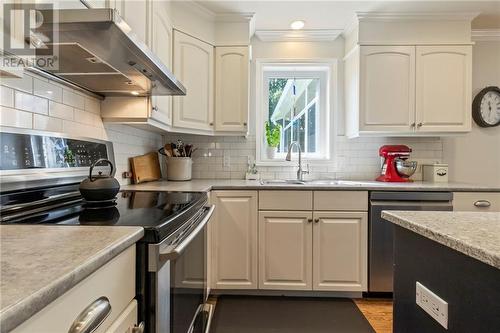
x=160 y=213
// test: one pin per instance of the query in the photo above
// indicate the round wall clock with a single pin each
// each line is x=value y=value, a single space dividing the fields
x=486 y=107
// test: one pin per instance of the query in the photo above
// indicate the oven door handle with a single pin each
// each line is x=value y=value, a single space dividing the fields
x=172 y=253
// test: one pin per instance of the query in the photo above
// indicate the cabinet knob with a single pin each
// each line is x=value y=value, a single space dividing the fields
x=138 y=328
x=309 y=220
x=419 y=125
x=412 y=125
x=155 y=108
x=316 y=220
x=244 y=124
x=211 y=124
x=482 y=203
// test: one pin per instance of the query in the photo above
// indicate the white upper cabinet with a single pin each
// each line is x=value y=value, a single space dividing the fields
x=443 y=88
x=136 y=14
x=161 y=44
x=194 y=67
x=231 y=88
x=408 y=90
x=387 y=90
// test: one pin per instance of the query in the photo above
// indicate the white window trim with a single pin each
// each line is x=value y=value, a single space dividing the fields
x=331 y=107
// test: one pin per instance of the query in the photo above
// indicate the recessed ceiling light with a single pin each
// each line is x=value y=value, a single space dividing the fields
x=135 y=93
x=297 y=25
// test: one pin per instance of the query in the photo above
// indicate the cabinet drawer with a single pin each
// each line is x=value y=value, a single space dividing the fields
x=285 y=200
x=476 y=201
x=126 y=320
x=115 y=280
x=341 y=200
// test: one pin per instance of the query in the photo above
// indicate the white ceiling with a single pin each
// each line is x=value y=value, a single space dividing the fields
x=330 y=14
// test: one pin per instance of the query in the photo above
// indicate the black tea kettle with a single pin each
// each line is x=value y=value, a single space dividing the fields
x=100 y=187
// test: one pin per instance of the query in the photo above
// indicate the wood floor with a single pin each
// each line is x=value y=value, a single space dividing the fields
x=378 y=312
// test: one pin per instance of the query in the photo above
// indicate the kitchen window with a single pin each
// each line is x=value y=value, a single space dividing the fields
x=295 y=97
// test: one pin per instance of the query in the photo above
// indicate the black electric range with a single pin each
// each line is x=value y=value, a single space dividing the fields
x=159 y=213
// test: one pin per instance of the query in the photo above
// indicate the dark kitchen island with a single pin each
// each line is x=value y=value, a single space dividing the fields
x=455 y=255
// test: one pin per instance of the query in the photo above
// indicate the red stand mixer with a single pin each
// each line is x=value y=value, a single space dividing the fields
x=396 y=167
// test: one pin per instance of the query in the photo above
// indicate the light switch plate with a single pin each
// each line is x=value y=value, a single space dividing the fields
x=435 y=306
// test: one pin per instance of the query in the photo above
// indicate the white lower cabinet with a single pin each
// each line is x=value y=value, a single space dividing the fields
x=339 y=251
x=285 y=250
x=233 y=234
x=476 y=201
x=115 y=281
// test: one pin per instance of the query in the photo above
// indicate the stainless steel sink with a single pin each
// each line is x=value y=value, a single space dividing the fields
x=318 y=182
x=282 y=182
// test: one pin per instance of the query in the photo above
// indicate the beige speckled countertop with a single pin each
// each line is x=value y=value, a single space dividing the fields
x=40 y=263
x=472 y=233
x=234 y=184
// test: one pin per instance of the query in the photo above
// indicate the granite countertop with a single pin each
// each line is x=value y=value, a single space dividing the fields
x=40 y=263
x=476 y=234
x=203 y=185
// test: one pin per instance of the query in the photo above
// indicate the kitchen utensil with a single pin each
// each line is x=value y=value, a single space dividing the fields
x=187 y=150
x=100 y=187
x=145 y=168
x=168 y=150
x=405 y=168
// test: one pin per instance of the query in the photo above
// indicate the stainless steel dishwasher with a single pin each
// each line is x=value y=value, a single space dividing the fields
x=381 y=252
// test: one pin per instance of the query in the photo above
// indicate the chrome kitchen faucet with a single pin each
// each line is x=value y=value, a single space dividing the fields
x=300 y=172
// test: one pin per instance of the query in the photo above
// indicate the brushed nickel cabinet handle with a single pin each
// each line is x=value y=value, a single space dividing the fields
x=482 y=203
x=92 y=316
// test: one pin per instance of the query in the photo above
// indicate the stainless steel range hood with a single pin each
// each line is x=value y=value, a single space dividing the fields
x=99 y=52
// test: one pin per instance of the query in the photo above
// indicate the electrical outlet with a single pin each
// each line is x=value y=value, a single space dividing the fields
x=435 y=306
x=226 y=161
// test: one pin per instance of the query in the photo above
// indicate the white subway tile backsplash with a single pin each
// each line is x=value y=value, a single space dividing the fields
x=84 y=117
x=47 y=90
x=25 y=83
x=45 y=123
x=62 y=111
x=31 y=103
x=15 y=118
x=73 y=99
x=6 y=96
x=92 y=105
x=354 y=158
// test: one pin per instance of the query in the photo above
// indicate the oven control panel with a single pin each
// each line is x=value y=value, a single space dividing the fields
x=28 y=151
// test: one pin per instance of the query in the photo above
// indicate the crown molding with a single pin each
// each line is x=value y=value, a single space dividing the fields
x=234 y=17
x=425 y=16
x=326 y=35
x=479 y=35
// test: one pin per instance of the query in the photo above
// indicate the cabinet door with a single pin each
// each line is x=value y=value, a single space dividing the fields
x=161 y=44
x=234 y=240
x=285 y=250
x=231 y=88
x=136 y=14
x=340 y=251
x=443 y=88
x=387 y=88
x=194 y=67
